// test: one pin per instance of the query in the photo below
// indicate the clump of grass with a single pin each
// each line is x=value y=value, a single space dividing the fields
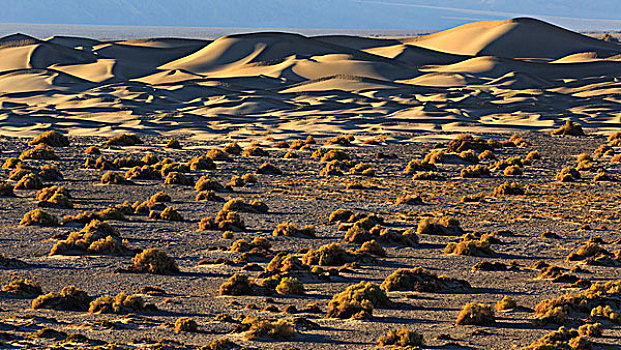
x=208 y=196
x=410 y=200
x=175 y=178
x=279 y=329
x=93 y=150
x=170 y=214
x=232 y=148
x=603 y=176
x=568 y=175
x=205 y=183
x=334 y=154
x=508 y=189
x=173 y=143
x=201 y=163
x=69 y=298
x=427 y=175
x=218 y=154
x=255 y=151
x=506 y=303
x=476 y=314
x=331 y=254
x=40 y=151
x=340 y=140
x=185 y=324
x=121 y=304
x=12 y=163
x=465 y=142
x=606 y=312
x=357 y=301
x=238 y=284
x=591 y=330
x=533 y=155
x=401 y=337
x=416 y=165
x=229 y=221
x=50 y=173
x=29 y=182
x=439 y=226
x=418 y=279
x=283 y=264
x=469 y=247
x=126 y=139
x=154 y=261
x=475 y=171
x=23 y=288
x=40 y=218
x=292 y=230
x=371 y=247
x=144 y=172
x=487 y=155
x=513 y=170
x=561 y=339
x=51 y=138
x=6 y=190
x=269 y=168
x=570 y=128
x=290 y=285
x=363 y=169
x=111 y=177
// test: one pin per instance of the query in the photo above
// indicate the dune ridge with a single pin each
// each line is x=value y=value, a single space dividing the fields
x=497 y=76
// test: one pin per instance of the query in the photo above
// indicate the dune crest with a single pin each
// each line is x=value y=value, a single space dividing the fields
x=501 y=76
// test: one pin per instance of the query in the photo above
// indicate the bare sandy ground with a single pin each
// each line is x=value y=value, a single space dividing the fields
x=504 y=76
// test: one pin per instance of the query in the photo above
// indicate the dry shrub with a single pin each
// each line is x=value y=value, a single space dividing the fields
x=208 y=196
x=155 y=261
x=513 y=170
x=439 y=226
x=50 y=172
x=238 y=284
x=568 y=175
x=126 y=139
x=401 y=337
x=126 y=162
x=570 y=128
x=185 y=324
x=418 y=279
x=69 y=298
x=173 y=143
x=334 y=154
x=40 y=218
x=357 y=301
x=201 y=163
x=469 y=247
x=93 y=150
x=591 y=330
x=40 y=151
x=290 y=285
x=340 y=140
x=144 y=172
x=22 y=288
x=364 y=169
x=6 y=190
x=283 y=264
x=487 y=155
x=475 y=171
x=12 y=163
x=506 y=303
x=417 y=165
x=371 y=247
x=29 y=182
x=51 y=138
x=205 y=183
x=427 y=175
x=171 y=214
x=327 y=255
x=533 y=155
x=121 y=304
x=465 y=142
x=279 y=329
x=268 y=168
x=561 y=339
x=408 y=199
x=255 y=151
x=292 y=230
x=111 y=177
x=218 y=154
x=232 y=148
x=476 y=314
x=229 y=220
x=508 y=189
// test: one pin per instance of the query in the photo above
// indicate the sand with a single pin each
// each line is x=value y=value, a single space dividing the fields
x=211 y=89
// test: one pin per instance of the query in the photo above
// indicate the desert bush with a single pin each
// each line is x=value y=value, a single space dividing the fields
x=357 y=301
x=121 y=304
x=439 y=226
x=69 y=298
x=419 y=279
x=290 y=285
x=171 y=214
x=51 y=138
x=533 y=155
x=475 y=171
x=506 y=303
x=154 y=261
x=364 y=169
x=513 y=170
x=144 y=172
x=22 y=288
x=327 y=255
x=40 y=218
x=40 y=151
x=591 y=329
x=465 y=142
x=567 y=175
x=12 y=163
x=417 y=165
x=268 y=168
x=126 y=139
x=340 y=140
x=280 y=329
x=561 y=339
x=92 y=150
x=283 y=264
x=29 y=182
x=218 y=154
x=201 y=163
x=126 y=162
x=429 y=175
x=232 y=148
x=6 y=190
x=410 y=200
x=205 y=183
x=255 y=151
x=570 y=128
x=508 y=188
x=50 y=173
x=290 y=155
x=487 y=155
x=176 y=178
x=292 y=230
x=476 y=314
x=208 y=196
x=48 y=192
x=334 y=154
x=238 y=284
x=229 y=220
x=19 y=172
x=469 y=247
x=371 y=247
x=401 y=337
x=185 y=324
x=173 y=143
x=111 y=177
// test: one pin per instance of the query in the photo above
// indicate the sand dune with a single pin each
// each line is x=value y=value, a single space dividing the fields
x=499 y=76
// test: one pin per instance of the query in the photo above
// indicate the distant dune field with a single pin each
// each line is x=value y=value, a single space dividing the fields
x=498 y=76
